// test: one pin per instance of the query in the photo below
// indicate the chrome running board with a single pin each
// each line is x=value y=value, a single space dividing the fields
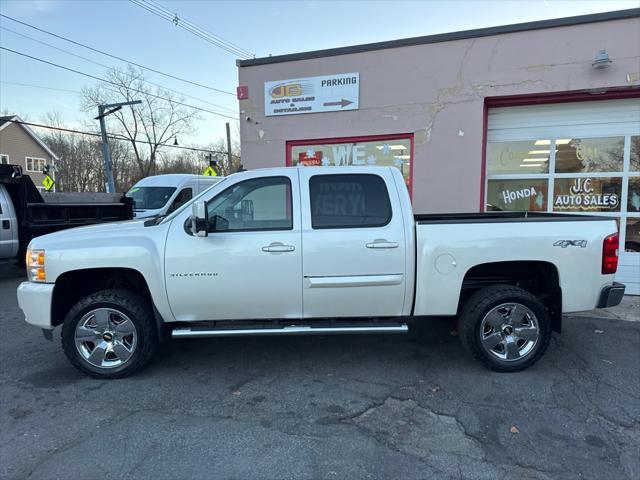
x=199 y=332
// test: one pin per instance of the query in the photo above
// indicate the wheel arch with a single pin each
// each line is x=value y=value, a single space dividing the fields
x=72 y=286
x=541 y=278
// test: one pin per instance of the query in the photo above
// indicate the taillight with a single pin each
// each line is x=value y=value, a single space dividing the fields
x=610 y=254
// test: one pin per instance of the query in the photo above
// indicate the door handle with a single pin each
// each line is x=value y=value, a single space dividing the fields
x=276 y=247
x=382 y=244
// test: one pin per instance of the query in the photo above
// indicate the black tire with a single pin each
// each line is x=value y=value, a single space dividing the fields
x=482 y=303
x=138 y=311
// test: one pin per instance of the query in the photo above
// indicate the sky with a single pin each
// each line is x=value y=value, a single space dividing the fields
x=125 y=29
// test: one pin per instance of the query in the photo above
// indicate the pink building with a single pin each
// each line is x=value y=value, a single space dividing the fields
x=538 y=116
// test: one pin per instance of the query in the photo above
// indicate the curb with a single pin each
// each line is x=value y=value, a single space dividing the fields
x=628 y=310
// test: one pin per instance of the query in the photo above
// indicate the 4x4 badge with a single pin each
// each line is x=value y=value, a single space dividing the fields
x=571 y=243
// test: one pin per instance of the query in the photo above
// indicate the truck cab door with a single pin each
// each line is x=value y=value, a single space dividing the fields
x=250 y=264
x=8 y=226
x=354 y=248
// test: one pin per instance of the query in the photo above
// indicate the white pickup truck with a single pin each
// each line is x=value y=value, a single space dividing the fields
x=316 y=250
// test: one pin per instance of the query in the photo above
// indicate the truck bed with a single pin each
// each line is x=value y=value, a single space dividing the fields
x=448 y=247
x=36 y=217
x=503 y=217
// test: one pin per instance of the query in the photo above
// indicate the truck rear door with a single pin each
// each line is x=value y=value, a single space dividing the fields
x=353 y=243
x=8 y=226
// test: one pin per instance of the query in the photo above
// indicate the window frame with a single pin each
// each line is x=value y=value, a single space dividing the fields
x=384 y=184
x=26 y=163
x=289 y=207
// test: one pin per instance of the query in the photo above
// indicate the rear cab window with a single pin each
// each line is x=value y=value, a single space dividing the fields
x=349 y=201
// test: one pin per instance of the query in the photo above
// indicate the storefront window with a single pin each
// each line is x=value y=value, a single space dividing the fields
x=587 y=194
x=367 y=151
x=586 y=155
x=583 y=175
x=519 y=157
x=520 y=195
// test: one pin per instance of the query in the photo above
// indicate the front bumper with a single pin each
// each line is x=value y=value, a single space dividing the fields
x=611 y=295
x=34 y=300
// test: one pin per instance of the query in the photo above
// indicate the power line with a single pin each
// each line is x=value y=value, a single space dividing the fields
x=109 y=67
x=33 y=85
x=191 y=27
x=116 y=84
x=115 y=56
x=114 y=137
x=210 y=37
x=181 y=20
x=39 y=86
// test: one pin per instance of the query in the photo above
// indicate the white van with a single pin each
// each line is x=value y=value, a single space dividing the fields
x=162 y=194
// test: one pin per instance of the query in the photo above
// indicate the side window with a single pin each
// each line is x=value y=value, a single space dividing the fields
x=4 y=159
x=183 y=197
x=256 y=204
x=35 y=164
x=349 y=201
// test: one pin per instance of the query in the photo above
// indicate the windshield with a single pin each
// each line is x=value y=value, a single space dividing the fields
x=150 y=198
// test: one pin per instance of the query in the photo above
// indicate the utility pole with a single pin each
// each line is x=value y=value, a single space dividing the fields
x=103 y=111
x=229 y=161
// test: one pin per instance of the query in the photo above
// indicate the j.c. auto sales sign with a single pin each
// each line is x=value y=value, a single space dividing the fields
x=327 y=93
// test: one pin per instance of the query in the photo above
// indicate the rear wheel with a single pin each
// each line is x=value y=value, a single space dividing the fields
x=110 y=334
x=506 y=328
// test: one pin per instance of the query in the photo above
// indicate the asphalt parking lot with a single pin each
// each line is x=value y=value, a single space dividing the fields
x=411 y=406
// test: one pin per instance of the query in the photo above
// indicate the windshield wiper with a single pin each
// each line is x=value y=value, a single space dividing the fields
x=153 y=221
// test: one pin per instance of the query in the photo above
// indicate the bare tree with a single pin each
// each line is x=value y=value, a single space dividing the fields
x=148 y=126
x=189 y=161
x=78 y=168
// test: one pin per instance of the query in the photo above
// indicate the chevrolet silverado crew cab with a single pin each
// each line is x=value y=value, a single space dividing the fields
x=315 y=250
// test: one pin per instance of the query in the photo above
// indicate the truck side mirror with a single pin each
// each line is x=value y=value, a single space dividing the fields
x=199 y=219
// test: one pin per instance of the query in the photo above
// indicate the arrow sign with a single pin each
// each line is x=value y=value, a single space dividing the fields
x=343 y=103
x=339 y=92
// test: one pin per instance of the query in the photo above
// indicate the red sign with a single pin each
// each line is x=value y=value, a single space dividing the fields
x=242 y=92
x=307 y=160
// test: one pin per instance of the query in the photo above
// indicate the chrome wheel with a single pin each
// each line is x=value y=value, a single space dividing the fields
x=509 y=331
x=106 y=338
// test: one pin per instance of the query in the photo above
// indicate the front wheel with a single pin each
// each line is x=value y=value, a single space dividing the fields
x=506 y=328
x=110 y=334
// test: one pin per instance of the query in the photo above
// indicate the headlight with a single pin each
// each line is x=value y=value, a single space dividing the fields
x=35 y=266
